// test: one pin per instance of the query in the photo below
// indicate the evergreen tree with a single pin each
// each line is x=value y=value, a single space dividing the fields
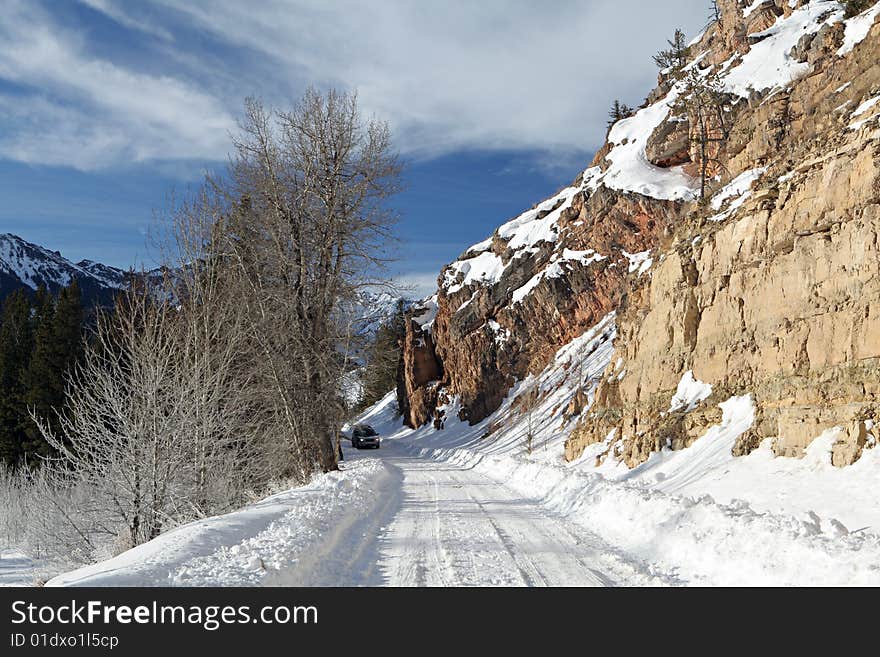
x=67 y=328
x=16 y=345
x=58 y=335
x=704 y=100
x=676 y=56
x=619 y=111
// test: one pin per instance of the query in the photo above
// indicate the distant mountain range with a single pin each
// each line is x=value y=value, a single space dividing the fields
x=24 y=265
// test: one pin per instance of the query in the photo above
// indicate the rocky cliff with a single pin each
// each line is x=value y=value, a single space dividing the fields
x=766 y=289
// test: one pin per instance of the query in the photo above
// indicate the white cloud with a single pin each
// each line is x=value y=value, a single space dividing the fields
x=495 y=74
x=113 y=11
x=86 y=112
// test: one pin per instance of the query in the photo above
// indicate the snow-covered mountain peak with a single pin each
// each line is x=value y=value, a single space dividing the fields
x=24 y=265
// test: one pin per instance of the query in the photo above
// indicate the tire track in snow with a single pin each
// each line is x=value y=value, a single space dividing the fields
x=441 y=556
x=435 y=523
x=348 y=555
x=527 y=570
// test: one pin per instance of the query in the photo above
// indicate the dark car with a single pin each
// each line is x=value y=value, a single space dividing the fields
x=363 y=435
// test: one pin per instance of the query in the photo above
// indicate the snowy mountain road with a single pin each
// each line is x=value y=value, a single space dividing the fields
x=439 y=524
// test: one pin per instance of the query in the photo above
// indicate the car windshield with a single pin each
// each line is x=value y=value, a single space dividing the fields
x=365 y=431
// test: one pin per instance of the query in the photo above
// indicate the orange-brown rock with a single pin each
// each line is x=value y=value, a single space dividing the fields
x=479 y=364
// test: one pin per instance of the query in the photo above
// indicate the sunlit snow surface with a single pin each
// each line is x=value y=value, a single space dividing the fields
x=857 y=29
x=693 y=516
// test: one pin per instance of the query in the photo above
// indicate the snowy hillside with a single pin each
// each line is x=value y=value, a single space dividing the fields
x=766 y=68
x=375 y=308
x=698 y=515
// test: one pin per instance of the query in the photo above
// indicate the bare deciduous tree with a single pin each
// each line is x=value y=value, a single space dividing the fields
x=228 y=375
x=306 y=224
x=151 y=430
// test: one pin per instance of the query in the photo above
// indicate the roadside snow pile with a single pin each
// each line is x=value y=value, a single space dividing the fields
x=689 y=537
x=244 y=547
x=694 y=540
x=699 y=516
x=18 y=569
x=809 y=487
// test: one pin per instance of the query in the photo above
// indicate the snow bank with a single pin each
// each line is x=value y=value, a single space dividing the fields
x=686 y=540
x=18 y=569
x=693 y=516
x=681 y=535
x=244 y=547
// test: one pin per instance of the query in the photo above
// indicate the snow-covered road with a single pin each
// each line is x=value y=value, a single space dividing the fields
x=442 y=524
x=451 y=508
x=456 y=527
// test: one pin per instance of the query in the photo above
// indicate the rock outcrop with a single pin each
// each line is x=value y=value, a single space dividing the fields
x=480 y=338
x=781 y=299
x=770 y=287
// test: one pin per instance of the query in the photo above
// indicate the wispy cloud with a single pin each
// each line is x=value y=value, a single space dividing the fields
x=78 y=110
x=497 y=74
x=512 y=75
x=113 y=11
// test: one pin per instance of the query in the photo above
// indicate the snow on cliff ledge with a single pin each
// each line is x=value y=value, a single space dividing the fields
x=768 y=65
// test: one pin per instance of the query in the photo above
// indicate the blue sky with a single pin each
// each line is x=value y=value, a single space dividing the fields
x=107 y=106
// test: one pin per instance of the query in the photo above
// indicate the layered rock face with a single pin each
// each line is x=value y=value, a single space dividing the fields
x=476 y=339
x=770 y=287
x=781 y=298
